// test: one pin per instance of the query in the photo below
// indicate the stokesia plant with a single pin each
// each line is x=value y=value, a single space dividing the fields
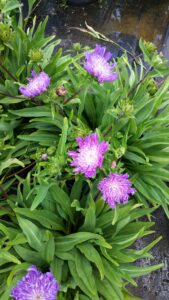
x=70 y=230
x=77 y=142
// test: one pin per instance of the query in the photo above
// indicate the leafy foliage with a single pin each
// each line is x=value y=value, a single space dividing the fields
x=76 y=239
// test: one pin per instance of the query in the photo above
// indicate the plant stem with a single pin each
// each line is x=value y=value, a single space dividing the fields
x=4 y=193
x=10 y=96
x=71 y=97
x=130 y=92
x=102 y=37
x=8 y=72
x=20 y=171
x=140 y=81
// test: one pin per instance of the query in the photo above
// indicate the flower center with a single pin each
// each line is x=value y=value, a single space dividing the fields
x=99 y=63
x=37 y=295
x=114 y=187
x=101 y=66
x=88 y=156
x=34 y=83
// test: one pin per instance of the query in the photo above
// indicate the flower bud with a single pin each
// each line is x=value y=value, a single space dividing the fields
x=44 y=156
x=77 y=46
x=61 y=91
x=125 y=107
x=113 y=164
x=5 y=33
x=152 y=86
x=151 y=48
x=36 y=55
x=119 y=152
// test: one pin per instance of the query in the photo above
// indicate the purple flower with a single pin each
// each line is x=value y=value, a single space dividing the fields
x=97 y=64
x=36 y=286
x=89 y=156
x=36 y=86
x=116 y=188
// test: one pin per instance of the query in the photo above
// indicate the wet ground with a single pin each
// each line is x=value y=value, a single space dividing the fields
x=155 y=286
x=125 y=22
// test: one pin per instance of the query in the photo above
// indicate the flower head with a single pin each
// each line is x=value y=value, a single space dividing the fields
x=97 y=64
x=89 y=156
x=116 y=188
x=36 y=286
x=36 y=86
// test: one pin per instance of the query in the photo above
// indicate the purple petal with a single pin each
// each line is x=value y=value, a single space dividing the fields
x=116 y=188
x=89 y=156
x=36 y=285
x=97 y=64
x=36 y=86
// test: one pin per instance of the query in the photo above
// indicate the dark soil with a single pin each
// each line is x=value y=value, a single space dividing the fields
x=155 y=286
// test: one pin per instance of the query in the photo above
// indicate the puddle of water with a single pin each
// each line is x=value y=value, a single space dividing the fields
x=146 y=19
x=121 y=20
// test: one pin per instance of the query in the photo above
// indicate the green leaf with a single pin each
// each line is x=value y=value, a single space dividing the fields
x=10 y=5
x=92 y=255
x=8 y=257
x=78 y=280
x=8 y=231
x=84 y=270
x=140 y=271
x=28 y=255
x=32 y=233
x=11 y=100
x=22 y=266
x=106 y=289
x=63 y=138
x=42 y=111
x=57 y=265
x=45 y=217
x=41 y=192
x=68 y=242
x=128 y=296
x=9 y=162
x=62 y=199
x=90 y=217
x=44 y=138
x=48 y=250
x=19 y=239
x=76 y=190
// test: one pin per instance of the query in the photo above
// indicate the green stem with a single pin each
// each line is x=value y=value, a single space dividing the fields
x=8 y=72
x=71 y=97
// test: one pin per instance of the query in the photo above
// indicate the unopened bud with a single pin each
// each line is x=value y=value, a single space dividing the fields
x=77 y=46
x=126 y=107
x=44 y=156
x=119 y=152
x=36 y=55
x=61 y=91
x=5 y=33
x=113 y=164
x=150 y=47
x=152 y=86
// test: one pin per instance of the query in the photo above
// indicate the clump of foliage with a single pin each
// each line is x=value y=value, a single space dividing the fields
x=51 y=217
